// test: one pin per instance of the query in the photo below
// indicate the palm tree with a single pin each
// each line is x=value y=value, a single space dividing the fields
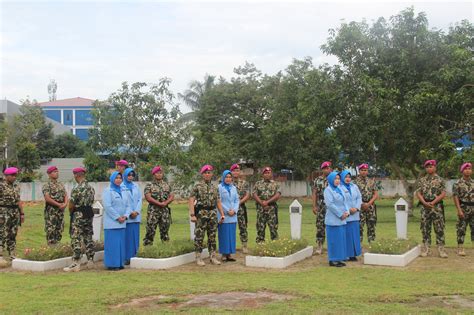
x=192 y=96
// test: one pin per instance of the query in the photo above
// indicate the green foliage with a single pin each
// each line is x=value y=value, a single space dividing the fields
x=136 y=118
x=391 y=246
x=279 y=248
x=97 y=167
x=45 y=252
x=166 y=249
x=67 y=145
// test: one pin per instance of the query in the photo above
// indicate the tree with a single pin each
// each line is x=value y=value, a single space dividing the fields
x=192 y=96
x=67 y=145
x=136 y=119
x=402 y=91
x=31 y=138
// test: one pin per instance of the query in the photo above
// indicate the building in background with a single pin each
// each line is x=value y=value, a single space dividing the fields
x=74 y=113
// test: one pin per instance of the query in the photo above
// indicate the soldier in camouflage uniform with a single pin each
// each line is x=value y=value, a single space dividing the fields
x=463 y=196
x=80 y=205
x=266 y=192
x=319 y=207
x=368 y=213
x=431 y=189
x=56 y=200
x=159 y=196
x=11 y=214
x=203 y=201
x=242 y=218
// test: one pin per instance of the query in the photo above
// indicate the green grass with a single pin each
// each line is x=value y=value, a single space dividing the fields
x=166 y=249
x=317 y=287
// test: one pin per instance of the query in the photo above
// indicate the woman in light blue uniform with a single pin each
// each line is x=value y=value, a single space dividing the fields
x=230 y=205
x=115 y=217
x=335 y=221
x=132 y=231
x=353 y=201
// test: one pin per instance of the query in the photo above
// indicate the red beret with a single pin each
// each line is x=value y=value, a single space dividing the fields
x=234 y=166
x=121 y=162
x=51 y=169
x=325 y=164
x=429 y=162
x=78 y=170
x=206 y=168
x=363 y=166
x=266 y=169
x=10 y=171
x=465 y=165
x=155 y=170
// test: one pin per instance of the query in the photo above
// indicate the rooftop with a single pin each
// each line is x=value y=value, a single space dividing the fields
x=69 y=102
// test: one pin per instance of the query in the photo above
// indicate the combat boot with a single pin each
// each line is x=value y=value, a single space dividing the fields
x=442 y=252
x=214 y=259
x=319 y=248
x=3 y=262
x=74 y=267
x=90 y=264
x=425 y=250
x=245 y=249
x=199 y=260
x=461 y=251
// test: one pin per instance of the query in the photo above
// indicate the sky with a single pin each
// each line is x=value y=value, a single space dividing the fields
x=91 y=47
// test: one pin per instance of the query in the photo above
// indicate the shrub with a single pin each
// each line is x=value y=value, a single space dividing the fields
x=166 y=249
x=45 y=252
x=279 y=248
x=391 y=246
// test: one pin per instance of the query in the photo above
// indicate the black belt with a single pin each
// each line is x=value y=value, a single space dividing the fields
x=466 y=203
x=199 y=208
x=87 y=211
x=9 y=206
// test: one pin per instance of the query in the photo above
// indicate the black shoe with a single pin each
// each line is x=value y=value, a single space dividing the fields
x=352 y=258
x=341 y=264
x=113 y=268
x=127 y=262
x=336 y=264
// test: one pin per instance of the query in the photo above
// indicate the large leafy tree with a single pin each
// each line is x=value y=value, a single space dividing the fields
x=31 y=138
x=137 y=119
x=403 y=91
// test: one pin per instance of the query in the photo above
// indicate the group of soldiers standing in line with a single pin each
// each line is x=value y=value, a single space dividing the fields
x=431 y=190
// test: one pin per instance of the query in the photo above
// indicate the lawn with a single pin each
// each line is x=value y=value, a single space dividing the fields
x=315 y=287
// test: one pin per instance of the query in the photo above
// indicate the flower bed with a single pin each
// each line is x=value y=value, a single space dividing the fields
x=51 y=257
x=165 y=255
x=280 y=253
x=397 y=253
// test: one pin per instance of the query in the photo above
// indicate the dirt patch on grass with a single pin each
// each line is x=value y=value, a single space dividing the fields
x=225 y=301
x=448 y=301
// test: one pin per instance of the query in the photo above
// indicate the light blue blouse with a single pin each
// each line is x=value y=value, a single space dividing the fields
x=229 y=201
x=115 y=206
x=335 y=207
x=135 y=202
x=352 y=200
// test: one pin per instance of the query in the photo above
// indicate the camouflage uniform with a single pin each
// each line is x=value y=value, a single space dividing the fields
x=82 y=196
x=53 y=216
x=157 y=216
x=266 y=190
x=431 y=186
x=464 y=190
x=320 y=183
x=206 y=195
x=368 y=217
x=242 y=218
x=9 y=215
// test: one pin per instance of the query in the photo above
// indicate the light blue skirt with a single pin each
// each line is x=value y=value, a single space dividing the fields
x=336 y=242
x=227 y=238
x=132 y=239
x=353 y=239
x=114 y=248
